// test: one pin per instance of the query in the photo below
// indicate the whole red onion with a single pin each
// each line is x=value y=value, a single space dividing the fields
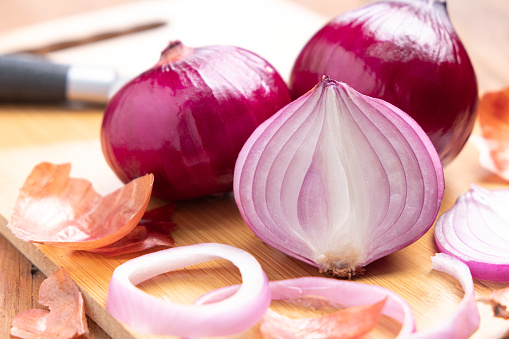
x=404 y=52
x=186 y=119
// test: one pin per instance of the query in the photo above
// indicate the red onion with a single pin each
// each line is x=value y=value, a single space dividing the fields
x=404 y=52
x=338 y=179
x=186 y=119
x=148 y=314
x=474 y=230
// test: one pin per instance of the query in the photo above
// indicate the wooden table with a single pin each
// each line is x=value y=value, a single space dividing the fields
x=484 y=29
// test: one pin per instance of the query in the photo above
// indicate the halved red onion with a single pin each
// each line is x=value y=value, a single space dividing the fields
x=405 y=52
x=475 y=230
x=338 y=179
x=148 y=314
x=186 y=119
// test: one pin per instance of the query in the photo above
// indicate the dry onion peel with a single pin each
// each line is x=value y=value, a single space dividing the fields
x=65 y=318
x=151 y=315
x=57 y=210
x=347 y=323
x=154 y=229
x=493 y=142
x=499 y=300
x=474 y=230
x=338 y=179
x=461 y=324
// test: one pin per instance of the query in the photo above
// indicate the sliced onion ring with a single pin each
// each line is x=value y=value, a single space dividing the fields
x=461 y=324
x=148 y=314
x=342 y=292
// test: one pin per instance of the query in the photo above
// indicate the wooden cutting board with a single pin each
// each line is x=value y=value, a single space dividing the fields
x=31 y=134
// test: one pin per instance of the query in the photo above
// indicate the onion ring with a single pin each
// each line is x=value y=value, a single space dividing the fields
x=342 y=292
x=151 y=315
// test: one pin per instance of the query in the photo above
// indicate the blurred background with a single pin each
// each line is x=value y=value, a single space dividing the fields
x=275 y=29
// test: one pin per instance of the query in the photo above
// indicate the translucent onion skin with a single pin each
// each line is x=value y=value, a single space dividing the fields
x=404 y=52
x=338 y=179
x=474 y=230
x=186 y=119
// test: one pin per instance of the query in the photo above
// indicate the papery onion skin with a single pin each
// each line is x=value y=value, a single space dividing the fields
x=474 y=230
x=338 y=179
x=404 y=52
x=186 y=119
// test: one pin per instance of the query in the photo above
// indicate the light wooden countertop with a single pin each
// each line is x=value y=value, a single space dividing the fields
x=482 y=25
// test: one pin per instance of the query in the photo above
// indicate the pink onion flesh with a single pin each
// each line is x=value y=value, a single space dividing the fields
x=405 y=52
x=461 y=324
x=341 y=293
x=475 y=230
x=466 y=319
x=338 y=179
x=148 y=314
x=186 y=119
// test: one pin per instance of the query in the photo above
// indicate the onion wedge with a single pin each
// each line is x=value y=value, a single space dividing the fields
x=65 y=318
x=57 y=210
x=474 y=230
x=151 y=315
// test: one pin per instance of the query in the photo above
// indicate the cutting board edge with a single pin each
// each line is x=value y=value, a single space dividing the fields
x=93 y=309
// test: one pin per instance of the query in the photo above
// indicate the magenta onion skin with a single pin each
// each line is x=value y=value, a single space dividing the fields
x=186 y=119
x=404 y=52
x=474 y=230
x=338 y=179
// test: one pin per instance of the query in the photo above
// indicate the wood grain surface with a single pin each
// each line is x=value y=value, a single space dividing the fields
x=30 y=133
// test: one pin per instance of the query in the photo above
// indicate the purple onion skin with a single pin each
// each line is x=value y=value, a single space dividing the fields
x=406 y=53
x=186 y=119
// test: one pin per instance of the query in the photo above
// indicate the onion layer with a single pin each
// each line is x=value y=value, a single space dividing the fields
x=460 y=325
x=148 y=314
x=338 y=179
x=405 y=52
x=466 y=319
x=475 y=230
x=186 y=119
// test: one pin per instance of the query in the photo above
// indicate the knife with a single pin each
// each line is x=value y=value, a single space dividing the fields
x=32 y=78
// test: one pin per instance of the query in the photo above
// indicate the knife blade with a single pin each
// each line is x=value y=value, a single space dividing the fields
x=31 y=78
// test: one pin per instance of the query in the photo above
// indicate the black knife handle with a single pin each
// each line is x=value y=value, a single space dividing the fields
x=30 y=78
